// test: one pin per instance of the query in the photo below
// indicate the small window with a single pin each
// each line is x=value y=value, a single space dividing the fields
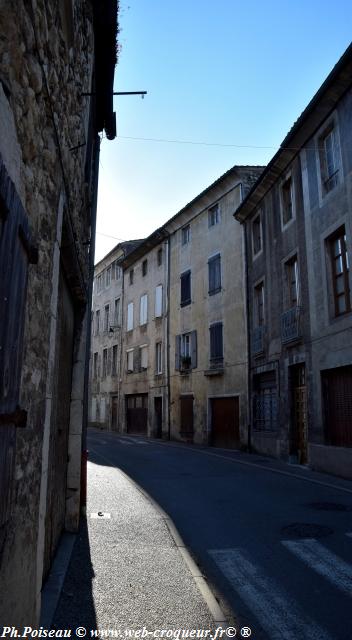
x=105 y=363
x=186 y=351
x=130 y=316
x=115 y=271
x=117 y=313
x=143 y=309
x=257 y=235
x=158 y=358
x=340 y=272
x=329 y=159
x=214 y=271
x=95 y=365
x=144 y=357
x=213 y=216
x=108 y=277
x=185 y=288
x=97 y=322
x=186 y=234
x=159 y=257
x=114 y=360
x=130 y=361
x=292 y=283
x=158 y=301
x=144 y=267
x=259 y=305
x=287 y=201
x=216 y=343
x=106 y=318
x=131 y=275
x=99 y=283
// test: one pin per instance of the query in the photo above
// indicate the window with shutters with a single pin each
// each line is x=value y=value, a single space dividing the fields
x=99 y=282
x=186 y=351
x=214 y=271
x=117 y=313
x=16 y=253
x=158 y=358
x=143 y=357
x=185 y=288
x=259 y=305
x=159 y=301
x=129 y=357
x=339 y=269
x=114 y=360
x=257 y=235
x=130 y=316
x=213 y=216
x=143 y=309
x=287 y=201
x=95 y=365
x=97 y=322
x=329 y=158
x=292 y=283
x=216 y=345
x=186 y=235
x=106 y=318
x=105 y=363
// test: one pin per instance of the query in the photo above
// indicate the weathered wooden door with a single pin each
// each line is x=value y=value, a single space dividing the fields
x=158 y=411
x=58 y=455
x=137 y=414
x=225 y=422
x=337 y=395
x=299 y=420
x=16 y=253
x=114 y=413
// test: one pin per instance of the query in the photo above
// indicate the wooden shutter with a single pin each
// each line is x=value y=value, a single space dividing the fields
x=177 y=352
x=130 y=316
x=193 y=349
x=16 y=252
x=158 y=301
x=216 y=344
x=214 y=268
x=185 y=288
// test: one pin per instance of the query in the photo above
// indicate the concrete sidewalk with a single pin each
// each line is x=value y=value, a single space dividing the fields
x=129 y=568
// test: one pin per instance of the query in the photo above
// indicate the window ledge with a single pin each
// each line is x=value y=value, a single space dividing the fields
x=215 y=371
x=185 y=372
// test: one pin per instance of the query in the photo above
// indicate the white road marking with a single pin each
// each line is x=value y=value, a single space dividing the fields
x=323 y=561
x=275 y=609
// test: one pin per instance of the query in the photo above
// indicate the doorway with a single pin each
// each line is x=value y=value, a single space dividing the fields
x=299 y=422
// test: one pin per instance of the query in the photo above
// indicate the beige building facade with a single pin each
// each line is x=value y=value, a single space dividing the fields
x=207 y=335
x=143 y=407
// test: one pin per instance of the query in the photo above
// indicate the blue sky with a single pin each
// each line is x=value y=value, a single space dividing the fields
x=220 y=73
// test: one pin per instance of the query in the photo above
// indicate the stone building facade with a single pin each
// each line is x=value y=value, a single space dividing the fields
x=144 y=395
x=106 y=338
x=297 y=221
x=207 y=336
x=53 y=57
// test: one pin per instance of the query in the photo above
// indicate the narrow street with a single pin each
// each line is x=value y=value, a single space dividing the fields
x=275 y=541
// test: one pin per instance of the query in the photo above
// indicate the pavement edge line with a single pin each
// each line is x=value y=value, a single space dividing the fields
x=201 y=582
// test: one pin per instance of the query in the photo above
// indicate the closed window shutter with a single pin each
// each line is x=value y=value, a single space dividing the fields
x=177 y=352
x=130 y=316
x=194 y=349
x=16 y=252
x=216 y=344
x=214 y=268
x=186 y=288
x=158 y=301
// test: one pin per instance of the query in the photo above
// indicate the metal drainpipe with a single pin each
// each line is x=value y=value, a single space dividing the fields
x=168 y=338
x=89 y=328
x=121 y=336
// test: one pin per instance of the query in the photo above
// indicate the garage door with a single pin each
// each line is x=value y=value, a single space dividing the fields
x=137 y=414
x=225 y=422
x=337 y=393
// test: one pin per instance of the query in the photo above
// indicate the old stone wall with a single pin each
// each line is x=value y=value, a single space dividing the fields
x=46 y=55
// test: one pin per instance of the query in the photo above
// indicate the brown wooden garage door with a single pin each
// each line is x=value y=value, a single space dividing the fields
x=337 y=393
x=225 y=422
x=137 y=414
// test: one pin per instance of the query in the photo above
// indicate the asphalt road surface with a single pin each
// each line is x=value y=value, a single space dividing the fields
x=274 y=540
